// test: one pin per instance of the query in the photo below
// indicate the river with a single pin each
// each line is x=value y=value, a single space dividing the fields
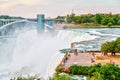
x=29 y=53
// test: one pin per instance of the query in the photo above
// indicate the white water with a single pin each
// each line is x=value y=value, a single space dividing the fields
x=36 y=54
x=73 y=36
x=33 y=54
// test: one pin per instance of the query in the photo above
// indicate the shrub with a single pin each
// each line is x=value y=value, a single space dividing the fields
x=109 y=24
x=97 y=71
x=62 y=76
x=74 y=69
x=58 y=69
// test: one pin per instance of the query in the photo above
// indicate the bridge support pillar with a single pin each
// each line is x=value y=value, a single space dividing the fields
x=40 y=23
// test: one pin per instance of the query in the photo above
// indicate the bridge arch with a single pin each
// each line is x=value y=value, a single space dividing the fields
x=9 y=28
x=40 y=24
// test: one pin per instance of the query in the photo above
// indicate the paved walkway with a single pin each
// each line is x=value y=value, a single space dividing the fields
x=80 y=59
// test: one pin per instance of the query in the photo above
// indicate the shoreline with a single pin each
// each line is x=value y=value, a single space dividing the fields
x=85 y=25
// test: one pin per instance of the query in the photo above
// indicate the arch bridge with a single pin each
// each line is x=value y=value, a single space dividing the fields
x=8 y=26
x=6 y=21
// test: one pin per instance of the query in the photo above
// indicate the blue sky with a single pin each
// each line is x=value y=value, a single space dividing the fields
x=53 y=8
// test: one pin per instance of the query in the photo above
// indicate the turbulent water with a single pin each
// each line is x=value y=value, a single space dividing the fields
x=33 y=54
x=102 y=35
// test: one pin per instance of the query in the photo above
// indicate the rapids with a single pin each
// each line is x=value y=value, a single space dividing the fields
x=30 y=54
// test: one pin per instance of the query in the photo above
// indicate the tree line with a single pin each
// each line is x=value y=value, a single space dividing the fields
x=99 y=18
x=10 y=17
x=111 y=47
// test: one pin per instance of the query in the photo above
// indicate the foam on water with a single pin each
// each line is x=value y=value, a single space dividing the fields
x=75 y=36
x=32 y=53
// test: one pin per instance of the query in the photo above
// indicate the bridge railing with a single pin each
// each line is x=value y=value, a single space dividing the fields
x=6 y=21
x=10 y=28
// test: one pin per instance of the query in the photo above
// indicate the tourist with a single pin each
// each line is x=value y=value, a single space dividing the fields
x=64 y=60
x=62 y=64
x=68 y=55
x=105 y=53
x=75 y=52
x=82 y=51
x=93 y=54
x=92 y=59
x=88 y=52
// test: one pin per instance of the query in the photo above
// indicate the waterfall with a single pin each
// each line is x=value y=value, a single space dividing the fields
x=29 y=53
x=75 y=36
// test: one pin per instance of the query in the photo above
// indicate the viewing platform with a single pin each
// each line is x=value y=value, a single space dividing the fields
x=79 y=59
x=87 y=59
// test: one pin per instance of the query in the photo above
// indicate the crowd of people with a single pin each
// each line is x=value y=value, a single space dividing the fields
x=76 y=52
x=66 y=57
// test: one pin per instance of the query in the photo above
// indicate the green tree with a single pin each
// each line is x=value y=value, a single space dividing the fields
x=117 y=49
x=111 y=20
x=62 y=76
x=110 y=72
x=77 y=19
x=85 y=19
x=69 y=19
x=113 y=46
x=74 y=69
x=109 y=24
x=99 y=72
x=98 y=18
x=118 y=22
x=104 y=21
x=96 y=76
